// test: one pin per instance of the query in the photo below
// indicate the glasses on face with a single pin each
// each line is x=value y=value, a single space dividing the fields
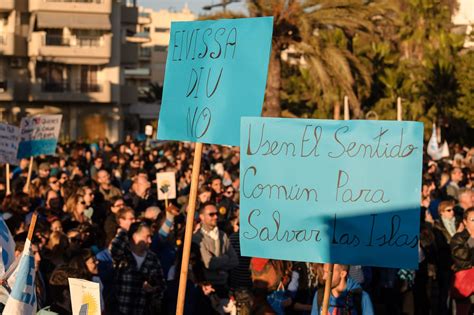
x=212 y=214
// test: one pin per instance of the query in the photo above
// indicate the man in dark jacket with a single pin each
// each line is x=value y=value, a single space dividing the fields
x=139 y=279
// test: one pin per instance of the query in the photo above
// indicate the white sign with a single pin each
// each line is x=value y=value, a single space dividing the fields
x=85 y=295
x=39 y=135
x=166 y=183
x=149 y=130
x=9 y=142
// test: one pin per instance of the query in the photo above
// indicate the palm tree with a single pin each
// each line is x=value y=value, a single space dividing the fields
x=303 y=24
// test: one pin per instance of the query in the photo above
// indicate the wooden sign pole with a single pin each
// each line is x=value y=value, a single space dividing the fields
x=8 y=179
x=328 y=284
x=32 y=226
x=189 y=228
x=346 y=108
x=28 y=179
x=327 y=290
x=399 y=108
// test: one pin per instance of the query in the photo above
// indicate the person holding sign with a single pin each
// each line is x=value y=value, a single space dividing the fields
x=347 y=297
x=217 y=254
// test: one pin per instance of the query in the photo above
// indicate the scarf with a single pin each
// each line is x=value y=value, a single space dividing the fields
x=450 y=225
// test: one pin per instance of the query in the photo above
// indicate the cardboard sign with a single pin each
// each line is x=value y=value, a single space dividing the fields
x=166 y=183
x=9 y=141
x=216 y=72
x=85 y=297
x=39 y=135
x=325 y=191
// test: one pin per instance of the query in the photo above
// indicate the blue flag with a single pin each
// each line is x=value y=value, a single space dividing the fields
x=22 y=299
x=7 y=247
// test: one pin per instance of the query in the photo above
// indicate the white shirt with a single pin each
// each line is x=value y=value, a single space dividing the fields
x=139 y=260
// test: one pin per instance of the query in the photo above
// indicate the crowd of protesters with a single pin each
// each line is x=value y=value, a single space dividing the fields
x=99 y=219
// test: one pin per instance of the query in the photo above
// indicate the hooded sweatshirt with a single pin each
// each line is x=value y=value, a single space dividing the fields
x=366 y=304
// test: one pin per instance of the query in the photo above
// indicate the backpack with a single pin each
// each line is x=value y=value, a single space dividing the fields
x=353 y=295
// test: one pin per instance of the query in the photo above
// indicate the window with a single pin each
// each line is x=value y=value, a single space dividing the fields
x=161 y=48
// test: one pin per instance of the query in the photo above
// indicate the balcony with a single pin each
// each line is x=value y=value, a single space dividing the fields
x=12 y=45
x=69 y=92
x=138 y=73
x=144 y=18
x=13 y=91
x=139 y=37
x=92 y=50
x=78 y=6
x=7 y=5
x=128 y=94
x=129 y=15
x=7 y=91
x=129 y=54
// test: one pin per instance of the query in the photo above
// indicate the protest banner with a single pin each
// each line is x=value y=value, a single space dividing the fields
x=9 y=141
x=85 y=297
x=39 y=135
x=166 y=186
x=22 y=299
x=324 y=191
x=216 y=72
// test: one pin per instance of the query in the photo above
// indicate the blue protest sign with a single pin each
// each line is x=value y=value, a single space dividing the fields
x=39 y=135
x=325 y=191
x=216 y=72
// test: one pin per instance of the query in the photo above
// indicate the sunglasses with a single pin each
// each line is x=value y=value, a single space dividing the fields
x=212 y=214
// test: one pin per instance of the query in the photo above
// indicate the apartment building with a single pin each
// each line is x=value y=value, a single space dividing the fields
x=152 y=35
x=463 y=21
x=68 y=56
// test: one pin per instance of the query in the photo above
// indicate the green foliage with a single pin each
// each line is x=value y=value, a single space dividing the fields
x=465 y=77
x=373 y=51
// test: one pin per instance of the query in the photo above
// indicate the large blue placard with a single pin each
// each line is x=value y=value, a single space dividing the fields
x=325 y=191
x=216 y=72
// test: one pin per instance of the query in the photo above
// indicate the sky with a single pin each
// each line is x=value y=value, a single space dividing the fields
x=194 y=5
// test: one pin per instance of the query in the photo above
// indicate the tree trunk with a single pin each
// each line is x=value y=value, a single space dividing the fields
x=271 y=106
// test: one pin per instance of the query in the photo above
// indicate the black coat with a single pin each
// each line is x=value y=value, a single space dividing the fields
x=463 y=256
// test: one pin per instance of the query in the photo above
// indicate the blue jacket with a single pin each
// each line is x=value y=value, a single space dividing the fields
x=367 y=308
